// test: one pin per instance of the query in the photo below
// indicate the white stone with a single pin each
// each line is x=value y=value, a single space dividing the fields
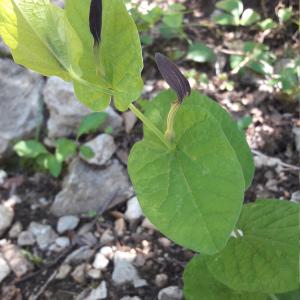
x=63 y=271
x=147 y=224
x=107 y=251
x=44 y=234
x=26 y=238
x=19 y=104
x=79 y=273
x=161 y=280
x=66 y=112
x=4 y=268
x=130 y=298
x=67 y=223
x=98 y=293
x=94 y=273
x=3 y=176
x=100 y=262
x=170 y=293
x=103 y=147
x=134 y=210
x=15 y=230
x=62 y=242
x=296 y=197
x=92 y=189
x=6 y=217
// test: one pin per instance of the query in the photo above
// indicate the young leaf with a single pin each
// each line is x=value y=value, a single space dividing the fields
x=199 y=281
x=86 y=152
x=40 y=37
x=173 y=76
x=233 y=7
x=225 y=19
x=199 y=52
x=65 y=148
x=265 y=257
x=267 y=24
x=200 y=178
x=91 y=123
x=285 y=14
x=249 y=17
x=49 y=162
x=30 y=149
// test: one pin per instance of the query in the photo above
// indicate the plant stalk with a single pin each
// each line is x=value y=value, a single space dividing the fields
x=149 y=124
x=169 y=133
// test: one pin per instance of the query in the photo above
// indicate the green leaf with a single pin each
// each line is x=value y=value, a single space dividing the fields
x=65 y=148
x=193 y=193
x=86 y=152
x=249 y=17
x=225 y=19
x=40 y=37
x=235 y=60
x=230 y=128
x=265 y=256
x=267 y=24
x=91 y=123
x=244 y=122
x=234 y=7
x=199 y=281
x=121 y=53
x=30 y=149
x=285 y=14
x=173 y=19
x=293 y=295
x=199 y=52
x=49 y=162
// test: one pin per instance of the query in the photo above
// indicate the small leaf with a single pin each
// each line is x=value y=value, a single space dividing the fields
x=233 y=7
x=265 y=257
x=199 y=52
x=65 y=148
x=86 y=152
x=285 y=14
x=225 y=19
x=199 y=281
x=249 y=17
x=30 y=149
x=95 y=19
x=267 y=24
x=91 y=123
x=173 y=76
x=49 y=162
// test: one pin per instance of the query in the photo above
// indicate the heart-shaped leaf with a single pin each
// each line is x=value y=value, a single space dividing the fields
x=265 y=255
x=199 y=281
x=193 y=192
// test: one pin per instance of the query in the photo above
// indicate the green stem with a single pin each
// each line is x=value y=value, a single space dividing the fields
x=149 y=124
x=169 y=133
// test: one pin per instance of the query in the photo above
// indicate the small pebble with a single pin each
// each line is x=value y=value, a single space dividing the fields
x=98 y=293
x=26 y=238
x=62 y=242
x=296 y=197
x=67 y=223
x=79 y=273
x=107 y=237
x=134 y=210
x=164 y=242
x=100 y=262
x=170 y=293
x=15 y=230
x=107 y=251
x=63 y=271
x=94 y=273
x=120 y=227
x=161 y=280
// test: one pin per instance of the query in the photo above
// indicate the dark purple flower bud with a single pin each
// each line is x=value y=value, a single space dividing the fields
x=173 y=76
x=96 y=20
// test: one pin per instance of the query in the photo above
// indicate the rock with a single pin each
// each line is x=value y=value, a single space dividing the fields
x=91 y=189
x=129 y=120
x=63 y=271
x=15 y=230
x=124 y=271
x=66 y=112
x=103 y=147
x=3 y=176
x=79 y=273
x=43 y=234
x=4 y=50
x=100 y=262
x=296 y=131
x=130 y=298
x=166 y=243
x=88 y=239
x=120 y=226
x=107 y=251
x=82 y=254
x=15 y=259
x=67 y=223
x=134 y=210
x=19 y=103
x=62 y=242
x=147 y=224
x=4 y=268
x=107 y=237
x=94 y=273
x=170 y=293
x=26 y=238
x=161 y=280
x=296 y=197
x=98 y=293
x=6 y=215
